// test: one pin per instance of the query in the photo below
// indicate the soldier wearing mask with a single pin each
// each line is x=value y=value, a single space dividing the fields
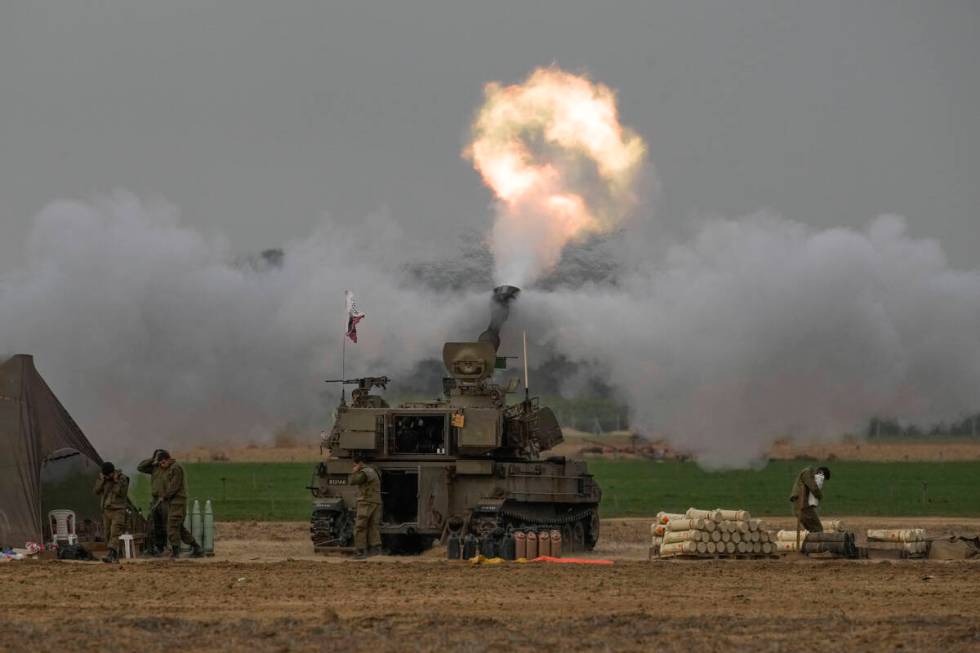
x=367 y=527
x=175 y=500
x=158 y=511
x=806 y=496
x=113 y=488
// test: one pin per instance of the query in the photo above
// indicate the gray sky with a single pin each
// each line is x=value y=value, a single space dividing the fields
x=256 y=117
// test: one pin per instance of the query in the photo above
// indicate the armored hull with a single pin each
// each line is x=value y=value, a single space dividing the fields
x=426 y=499
x=470 y=463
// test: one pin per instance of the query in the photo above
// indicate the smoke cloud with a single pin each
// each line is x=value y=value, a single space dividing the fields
x=755 y=329
x=762 y=328
x=152 y=335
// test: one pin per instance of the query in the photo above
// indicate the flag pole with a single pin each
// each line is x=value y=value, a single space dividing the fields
x=343 y=354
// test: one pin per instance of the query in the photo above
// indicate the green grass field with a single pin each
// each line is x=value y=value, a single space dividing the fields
x=276 y=491
x=856 y=488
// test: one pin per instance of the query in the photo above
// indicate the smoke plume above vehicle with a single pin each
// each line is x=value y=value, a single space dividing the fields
x=747 y=330
x=762 y=328
x=560 y=164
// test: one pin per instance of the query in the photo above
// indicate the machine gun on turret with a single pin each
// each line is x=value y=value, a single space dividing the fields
x=361 y=396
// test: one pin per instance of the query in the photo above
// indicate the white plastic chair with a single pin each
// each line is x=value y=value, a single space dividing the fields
x=127 y=540
x=63 y=526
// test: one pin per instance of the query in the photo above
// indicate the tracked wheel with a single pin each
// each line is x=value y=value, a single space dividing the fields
x=591 y=529
x=331 y=529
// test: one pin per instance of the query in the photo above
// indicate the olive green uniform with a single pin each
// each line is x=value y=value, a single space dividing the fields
x=804 y=486
x=175 y=499
x=114 y=493
x=367 y=526
x=158 y=486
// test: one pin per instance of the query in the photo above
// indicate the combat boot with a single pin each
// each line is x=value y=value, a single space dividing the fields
x=111 y=557
x=175 y=552
x=196 y=550
x=361 y=555
x=375 y=551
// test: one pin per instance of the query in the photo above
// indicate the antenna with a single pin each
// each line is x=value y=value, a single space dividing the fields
x=526 y=391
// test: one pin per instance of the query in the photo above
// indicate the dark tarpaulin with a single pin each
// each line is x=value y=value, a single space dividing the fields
x=33 y=425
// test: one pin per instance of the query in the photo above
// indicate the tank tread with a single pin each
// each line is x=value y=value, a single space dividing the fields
x=529 y=515
x=330 y=529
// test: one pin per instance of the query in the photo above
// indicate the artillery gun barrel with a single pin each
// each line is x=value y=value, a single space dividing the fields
x=499 y=311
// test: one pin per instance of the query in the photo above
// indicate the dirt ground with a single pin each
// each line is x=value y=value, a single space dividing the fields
x=264 y=590
x=896 y=451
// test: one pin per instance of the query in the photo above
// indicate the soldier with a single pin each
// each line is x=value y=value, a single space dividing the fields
x=158 y=511
x=175 y=500
x=367 y=526
x=806 y=496
x=113 y=486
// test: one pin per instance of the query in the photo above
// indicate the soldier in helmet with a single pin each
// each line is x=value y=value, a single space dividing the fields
x=367 y=533
x=158 y=510
x=806 y=495
x=113 y=488
x=175 y=499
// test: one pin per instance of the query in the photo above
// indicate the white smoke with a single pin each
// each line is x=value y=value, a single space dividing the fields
x=755 y=329
x=762 y=328
x=152 y=336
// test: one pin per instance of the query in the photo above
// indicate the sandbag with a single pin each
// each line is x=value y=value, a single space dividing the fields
x=955 y=548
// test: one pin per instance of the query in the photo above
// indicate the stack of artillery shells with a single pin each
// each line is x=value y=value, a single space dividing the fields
x=838 y=544
x=665 y=517
x=834 y=542
x=712 y=533
x=658 y=528
x=656 y=538
x=910 y=542
x=786 y=540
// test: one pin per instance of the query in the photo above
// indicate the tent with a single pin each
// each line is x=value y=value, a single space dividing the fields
x=42 y=447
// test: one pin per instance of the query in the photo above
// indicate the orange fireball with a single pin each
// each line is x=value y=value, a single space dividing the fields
x=560 y=163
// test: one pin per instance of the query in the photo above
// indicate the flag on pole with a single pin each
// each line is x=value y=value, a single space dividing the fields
x=353 y=316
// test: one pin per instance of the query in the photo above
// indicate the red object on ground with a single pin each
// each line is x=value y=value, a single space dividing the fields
x=572 y=561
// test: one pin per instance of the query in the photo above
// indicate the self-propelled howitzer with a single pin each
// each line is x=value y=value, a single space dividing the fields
x=469 y=462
